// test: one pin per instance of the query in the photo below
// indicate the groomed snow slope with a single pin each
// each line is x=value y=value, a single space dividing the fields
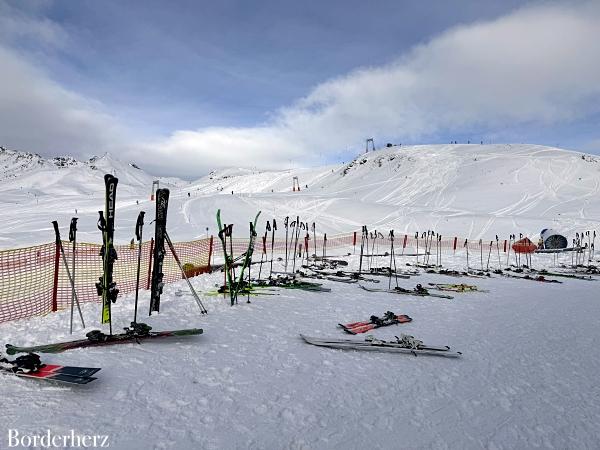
x=472 y=191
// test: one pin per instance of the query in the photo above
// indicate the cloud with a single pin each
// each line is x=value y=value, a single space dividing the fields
x=537 y=65
x=37 y=114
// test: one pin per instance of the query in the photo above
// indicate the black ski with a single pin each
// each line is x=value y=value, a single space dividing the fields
x=160 y=226
x=106 y=287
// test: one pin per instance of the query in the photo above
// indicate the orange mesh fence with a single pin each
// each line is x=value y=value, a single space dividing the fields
x=26 y=281
x=34 y=280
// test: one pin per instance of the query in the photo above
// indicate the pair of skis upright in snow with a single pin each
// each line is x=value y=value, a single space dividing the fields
x=236 y=285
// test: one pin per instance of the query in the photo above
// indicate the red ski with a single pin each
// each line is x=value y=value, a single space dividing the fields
x=30 y=366
x=389 y=318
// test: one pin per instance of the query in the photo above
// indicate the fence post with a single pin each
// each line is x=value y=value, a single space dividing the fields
x=210 y=251
x=55 y=285
x=150 y=263
x=504 y=245
x=454 y=246
x=354 y=242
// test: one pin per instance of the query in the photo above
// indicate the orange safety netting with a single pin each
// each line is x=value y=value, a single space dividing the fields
x=33 y=280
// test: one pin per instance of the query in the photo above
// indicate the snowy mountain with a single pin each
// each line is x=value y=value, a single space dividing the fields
x=471 y=191
x=63 y=174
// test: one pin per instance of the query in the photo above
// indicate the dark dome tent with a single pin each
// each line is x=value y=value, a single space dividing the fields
x=552 y=239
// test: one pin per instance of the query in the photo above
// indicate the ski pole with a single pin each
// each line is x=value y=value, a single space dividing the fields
x=314 y=230
x=299 y=226
x=306 y=250
x=466 y=245
x=73 y=239
x=285 y=224
x=498 y=251
x=481 y=253
x=428 y=246
x=371 y=256
x=392 y=259
x=519 y=253
x=64 y=259
x=264 y=248
x=362 y=247
x=487 y=267
x=272 y=244
x=139 y=225
x=417 y=238
x=174 y=253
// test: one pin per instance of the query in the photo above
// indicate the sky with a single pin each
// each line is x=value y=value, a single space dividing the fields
x=183 y=87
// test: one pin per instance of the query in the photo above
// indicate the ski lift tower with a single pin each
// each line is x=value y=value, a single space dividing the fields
x=295 y=184
x=154 y=183
x=367 y=145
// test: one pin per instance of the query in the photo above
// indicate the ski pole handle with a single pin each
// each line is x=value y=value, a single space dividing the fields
x=73 y=229
x=56 y=231
x=139 y=225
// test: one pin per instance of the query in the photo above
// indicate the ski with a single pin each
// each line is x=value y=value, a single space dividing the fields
x=404 y=344
x=106 y=287
x=456 y=287
x=457 y=273
x=247 y=260
x=389 y=318
x=329 y=277
x=96 y=338
x=344 y=274
x=418 y=291
x=30 y=366
x=538 y=278
x=563 y=275
x=160 y=226
x=290 y=283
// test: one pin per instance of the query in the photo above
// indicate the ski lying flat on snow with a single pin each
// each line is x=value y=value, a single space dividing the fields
x=62 y=374
x=455 y=287
x=123 y=338
x=380 y=346
x=375 y=322
x=538 y=278
x=406 y=292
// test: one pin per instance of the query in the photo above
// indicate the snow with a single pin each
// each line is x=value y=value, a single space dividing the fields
x=471 y=191
x=527 y=377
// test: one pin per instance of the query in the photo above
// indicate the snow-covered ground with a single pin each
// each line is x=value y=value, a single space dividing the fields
x=527 y=377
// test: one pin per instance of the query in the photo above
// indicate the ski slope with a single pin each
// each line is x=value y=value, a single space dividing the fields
x=527 y=377
x=472 y=191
